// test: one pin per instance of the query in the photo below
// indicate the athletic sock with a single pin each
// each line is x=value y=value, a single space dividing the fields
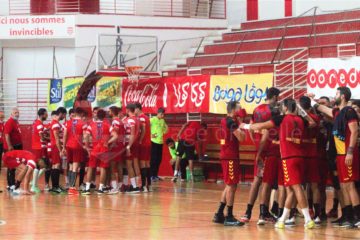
x=120 y=184
x=285 y=215
x=292 y=213
x=35 y=177
x=335 y=204
x=280 y=213
x=275 y=208
x=262 y=210
x=249 y=209
x=317 y=210
x=221 y=208
x=55 y=177
x=306 y=213
x=311 y=204
x=133 y=182
x=126 y=179
x=47 y=175
x=87 y=187
x=176 y=173
x=148 y=176
x=73 y=183
x=81 y=175
x=114 y=184
x=101 y=186
x=229 y=211
x=349 y=213
x=143 y=177
x=357 y=211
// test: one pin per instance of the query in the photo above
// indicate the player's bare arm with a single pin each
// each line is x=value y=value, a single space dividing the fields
x=354 y=132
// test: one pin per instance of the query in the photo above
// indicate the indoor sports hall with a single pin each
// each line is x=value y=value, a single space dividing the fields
x=179 y=119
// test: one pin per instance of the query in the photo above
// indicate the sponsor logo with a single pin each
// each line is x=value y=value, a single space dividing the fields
x=55 y=93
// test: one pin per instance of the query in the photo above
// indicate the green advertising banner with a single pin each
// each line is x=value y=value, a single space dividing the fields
x=62 y=92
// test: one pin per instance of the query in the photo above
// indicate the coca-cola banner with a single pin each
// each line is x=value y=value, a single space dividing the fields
x=176 y=94
x=325 y=75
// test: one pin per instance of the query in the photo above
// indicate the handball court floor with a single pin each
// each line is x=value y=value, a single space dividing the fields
x=173 y=211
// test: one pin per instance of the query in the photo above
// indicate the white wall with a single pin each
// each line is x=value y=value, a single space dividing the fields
x=4 y=7
x=236 y=12
x=301 y=6
x=270 y=9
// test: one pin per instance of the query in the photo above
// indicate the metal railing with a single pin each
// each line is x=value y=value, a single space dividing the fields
x=212 y=9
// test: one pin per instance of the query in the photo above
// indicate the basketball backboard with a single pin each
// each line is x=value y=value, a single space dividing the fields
x=115 y=52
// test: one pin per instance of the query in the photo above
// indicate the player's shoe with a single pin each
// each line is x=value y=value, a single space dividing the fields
x=144 y=189
x=219 y=218
x=2 y=222
x=279 y=225
x=333 y=213
x=35 y=189
x=100 y=192
x=232 y=221
x=174 y=179
x=73 y=191
x=86 y=192
x=123 y=188
x=290 y=222
x=337 y=222
x=263 y=219
x=150 y=189
x=246 y=218
x=55 y=191
x=317 y=221
x=309 y=225
x=82 y=187
x=46 y=188
x=15 y=192
x=92 y=186
x=112 y=191
x=346 y=224
x=357 y=223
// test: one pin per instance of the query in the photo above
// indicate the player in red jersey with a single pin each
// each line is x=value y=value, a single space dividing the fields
x=132 y=133
x=188 y=136
x=144 y=149
x=266 y=161
x=291 y=129
x=117 y=151
x=25 y=162
x=73 y=146
x=231 y=135
x=345 y=131
x=38 y=138
x=312 y=159
x=2 y=117
x=101 y=137
x=56 y=130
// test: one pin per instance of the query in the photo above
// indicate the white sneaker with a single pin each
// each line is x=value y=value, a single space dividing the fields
x=2 y=222
x=174 y=179
x=16 y=192
x=290 y=222
x=145 y=190
x=150 y=189
x=82 y=187
x=317 y=221
x=47 y=188
x=112 y=192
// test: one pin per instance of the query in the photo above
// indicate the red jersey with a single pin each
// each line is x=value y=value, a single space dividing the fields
x=229 y=149
x=130 y=122
x=191 y=132
x=75 y=129
x=54 y=126
x=310 y=137
x=14 y=158
x=100 y=134
x=145 y=120
x=118 y=126
x=37 y=130
x=291 y=130
x=263 y=113
x=12 y=128
x=342 y=139
x=1 y=132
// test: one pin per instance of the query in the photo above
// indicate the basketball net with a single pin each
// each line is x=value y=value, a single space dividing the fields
x=133 y=73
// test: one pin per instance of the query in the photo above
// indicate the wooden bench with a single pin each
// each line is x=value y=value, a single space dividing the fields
x=247 y=158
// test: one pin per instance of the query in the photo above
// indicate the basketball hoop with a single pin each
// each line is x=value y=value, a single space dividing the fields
x=133 y=72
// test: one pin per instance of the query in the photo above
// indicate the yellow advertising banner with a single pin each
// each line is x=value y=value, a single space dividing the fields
x=248 y=89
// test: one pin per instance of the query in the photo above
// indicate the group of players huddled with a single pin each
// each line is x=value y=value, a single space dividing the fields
x=299 y=145
x=112 y=141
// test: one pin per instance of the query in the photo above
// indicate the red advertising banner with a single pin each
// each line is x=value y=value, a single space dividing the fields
x=175 y=94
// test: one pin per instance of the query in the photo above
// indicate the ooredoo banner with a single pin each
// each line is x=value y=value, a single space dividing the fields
x=248 y=89
x=327 y=74
x=177 y=94
x=37 y=27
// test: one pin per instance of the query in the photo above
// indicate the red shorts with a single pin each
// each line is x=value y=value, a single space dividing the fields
x=99 y=159
x=270 y=175
x=117 y=155
x=55 y=155
x=293 y=169
x=231 y=171
x=39 y=153
x=134 y=152
x=347 y=173
x=144 y=152
x=312 y=171
x=74 y=155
